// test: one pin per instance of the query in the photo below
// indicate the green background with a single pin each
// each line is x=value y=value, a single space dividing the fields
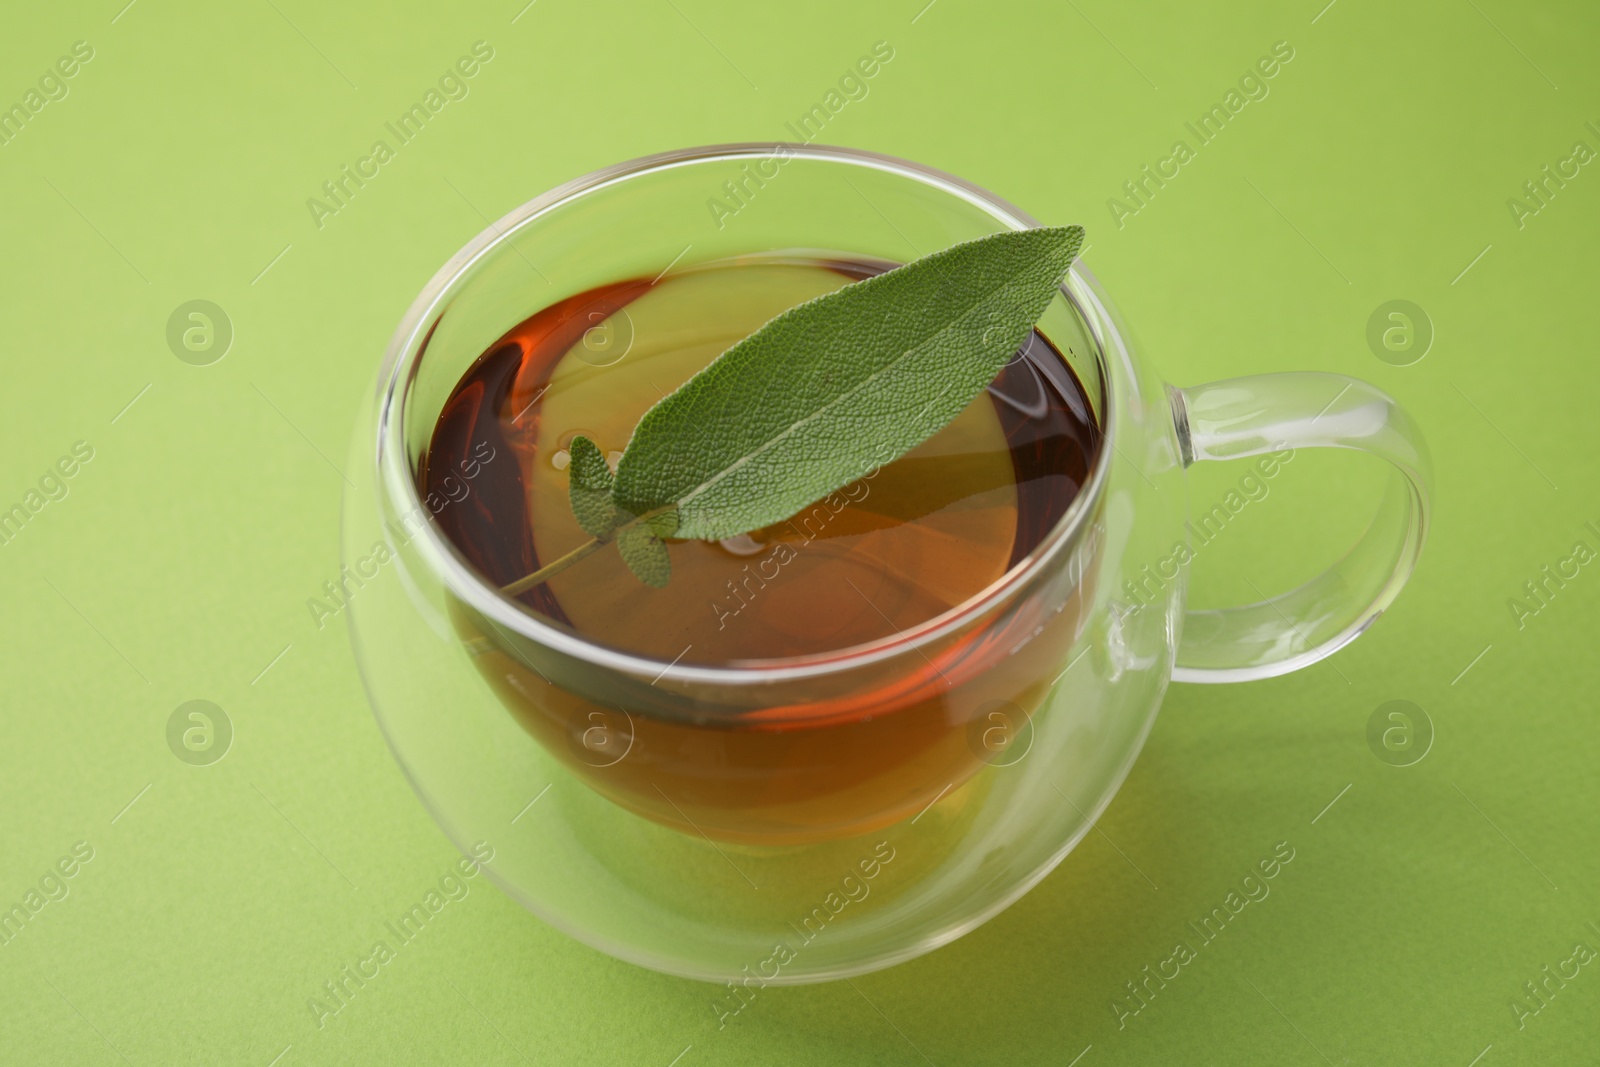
x=178 y=566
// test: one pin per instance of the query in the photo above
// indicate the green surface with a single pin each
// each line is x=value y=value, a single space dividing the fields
x=178 y=564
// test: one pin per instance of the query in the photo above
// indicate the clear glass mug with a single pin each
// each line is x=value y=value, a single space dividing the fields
x=759 y=823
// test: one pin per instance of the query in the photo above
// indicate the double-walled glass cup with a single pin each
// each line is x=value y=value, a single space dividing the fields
x=801 y=819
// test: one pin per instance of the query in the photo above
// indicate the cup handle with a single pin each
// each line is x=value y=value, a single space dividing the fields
x=1268 y=413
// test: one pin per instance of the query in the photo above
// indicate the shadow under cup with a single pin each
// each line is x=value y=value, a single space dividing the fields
x=777 y=752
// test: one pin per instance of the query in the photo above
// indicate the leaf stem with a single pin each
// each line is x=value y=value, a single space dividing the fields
x=550 y=570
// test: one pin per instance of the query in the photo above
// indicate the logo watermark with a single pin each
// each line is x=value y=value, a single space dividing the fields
x=53 y=887
x=341 y=189
x=1541 y=190
x=738 y=193
x=354 y=577
x=53 y=487
x=1253 y=888
x=1540 y=591
x=1399 y=332
x=853 y=888
x=340 y=990
x=1001 y=734
x=1252 y=86
x=52 y=88
x=1399 y=733
x=199 y=332
x=1548 y=983
x=199 y=733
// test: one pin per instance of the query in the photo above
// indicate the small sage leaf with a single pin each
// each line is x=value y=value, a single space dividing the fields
x=589 y=488
x=645 y=553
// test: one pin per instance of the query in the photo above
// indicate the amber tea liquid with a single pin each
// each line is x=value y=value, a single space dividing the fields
x=902 y=545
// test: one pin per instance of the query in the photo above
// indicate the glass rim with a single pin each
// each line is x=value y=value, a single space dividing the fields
x=408 y=344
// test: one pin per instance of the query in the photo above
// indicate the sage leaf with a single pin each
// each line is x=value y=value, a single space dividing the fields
x=644 y=549
x=839 y=385
x=589 y=488
x=818 y=397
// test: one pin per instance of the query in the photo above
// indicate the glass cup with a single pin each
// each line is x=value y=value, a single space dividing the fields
x=792 y=820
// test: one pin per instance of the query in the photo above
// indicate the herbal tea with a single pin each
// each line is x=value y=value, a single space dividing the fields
x=903 y=544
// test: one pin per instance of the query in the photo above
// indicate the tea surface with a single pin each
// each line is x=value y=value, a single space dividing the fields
x=902 y=545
